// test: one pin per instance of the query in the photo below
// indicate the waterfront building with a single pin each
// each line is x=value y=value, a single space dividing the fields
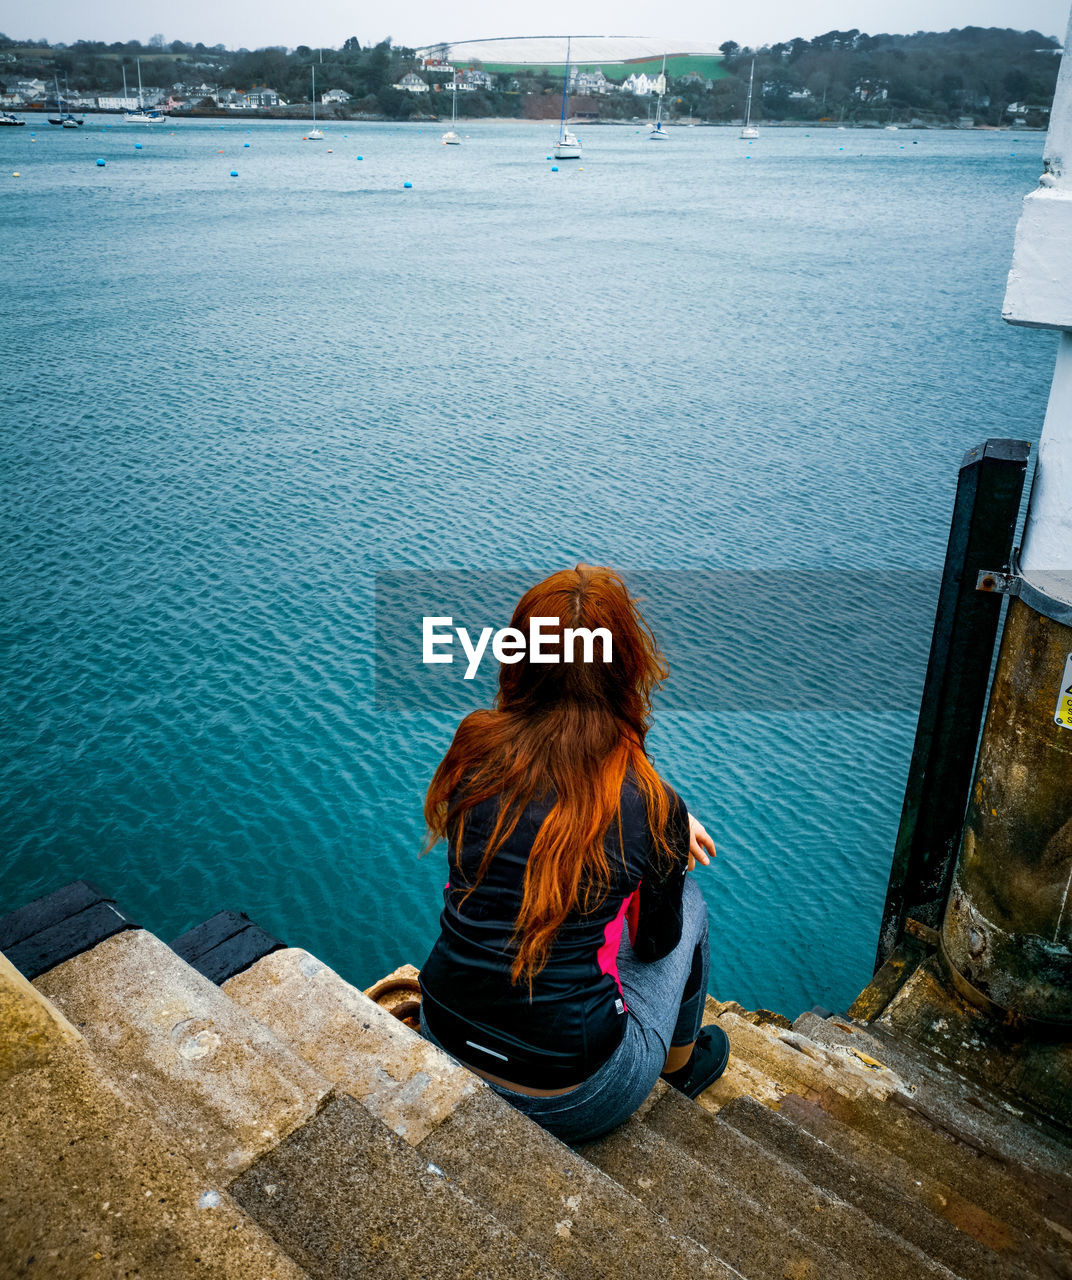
x=261 y=96
x=590 y=82
x=411 y=83
x=640 y=85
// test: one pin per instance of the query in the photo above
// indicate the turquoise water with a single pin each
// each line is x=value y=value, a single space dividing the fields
x=231 y=402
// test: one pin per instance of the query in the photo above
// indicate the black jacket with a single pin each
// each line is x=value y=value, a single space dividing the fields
x=577 y=1013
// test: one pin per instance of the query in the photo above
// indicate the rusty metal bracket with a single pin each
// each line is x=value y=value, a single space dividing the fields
x=1006 y=583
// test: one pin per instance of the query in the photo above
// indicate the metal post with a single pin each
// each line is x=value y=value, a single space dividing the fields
x=954 y=692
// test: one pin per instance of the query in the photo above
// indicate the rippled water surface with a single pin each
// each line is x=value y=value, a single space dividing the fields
x=230 y=402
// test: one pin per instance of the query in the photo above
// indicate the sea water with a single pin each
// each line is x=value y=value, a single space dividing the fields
x=234 y=405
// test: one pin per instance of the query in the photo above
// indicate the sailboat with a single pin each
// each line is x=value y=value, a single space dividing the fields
x=64 y=119
x=450 y=138
x=141 y=116
x=314 y=134
x=750 y=131
x=657 y=131
x=568 y=146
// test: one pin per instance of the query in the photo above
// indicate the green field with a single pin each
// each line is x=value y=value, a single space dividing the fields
x=679 y=64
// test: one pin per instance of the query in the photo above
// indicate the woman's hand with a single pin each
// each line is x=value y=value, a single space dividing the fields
x=701 y=846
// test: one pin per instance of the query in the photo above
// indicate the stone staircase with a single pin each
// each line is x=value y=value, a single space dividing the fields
x=277 y=1122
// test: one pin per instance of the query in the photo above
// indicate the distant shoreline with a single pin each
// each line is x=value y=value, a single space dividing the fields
x=872 y=127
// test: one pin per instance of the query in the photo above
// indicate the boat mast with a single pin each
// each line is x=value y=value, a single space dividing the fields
x=140 y=106
x=314 y=97
x=748 y=106
x=565 y=91
x=662 y=88
x=125 y=107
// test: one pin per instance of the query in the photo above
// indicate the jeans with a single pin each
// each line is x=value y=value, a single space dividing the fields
x=665 y=1000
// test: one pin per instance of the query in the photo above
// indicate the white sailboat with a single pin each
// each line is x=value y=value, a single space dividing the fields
x=750 y=131
x=568 y=146
x=657 y=133
x=314 y=134
x=141 y=116
x=450 y=138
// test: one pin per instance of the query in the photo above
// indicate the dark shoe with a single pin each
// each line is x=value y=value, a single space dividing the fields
x=707 y=1063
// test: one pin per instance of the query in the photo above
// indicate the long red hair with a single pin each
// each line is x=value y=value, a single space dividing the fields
x=567 y=731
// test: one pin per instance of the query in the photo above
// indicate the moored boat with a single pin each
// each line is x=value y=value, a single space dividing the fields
x=750 y=132
x=451 y=138
x=314 y=134
x=142 y=115
x=657 y=133
x=568 y=146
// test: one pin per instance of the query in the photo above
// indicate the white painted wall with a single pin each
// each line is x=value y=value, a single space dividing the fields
x=1039 y=295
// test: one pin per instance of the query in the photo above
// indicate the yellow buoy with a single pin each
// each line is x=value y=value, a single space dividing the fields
x=15 y=174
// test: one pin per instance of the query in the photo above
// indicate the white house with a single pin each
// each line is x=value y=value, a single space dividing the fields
x=641 y=85
x=411 y=83
x=261 y=96
x=334 y=96
x=31 y=89
x=115 y=102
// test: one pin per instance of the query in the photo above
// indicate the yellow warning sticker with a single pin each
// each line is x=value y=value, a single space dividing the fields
x=1063 y=714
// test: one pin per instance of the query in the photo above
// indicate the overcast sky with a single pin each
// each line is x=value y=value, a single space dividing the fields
x=253 y=23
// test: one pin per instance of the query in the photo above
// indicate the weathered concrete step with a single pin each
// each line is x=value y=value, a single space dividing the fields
x=1031 y=1071
x=852 y=1086
x=231 y=1093
x=750 y=1234
x=809 y=1204
x=348 y=1198
x=89 y=1186
x=854 y=1183
x=789 y=1062
x=984 y=1207
x=963 y=1106
x=223 y=1086
x=557 y=1203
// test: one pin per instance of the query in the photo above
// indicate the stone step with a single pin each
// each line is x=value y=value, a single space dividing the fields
x=555 y=1201
x=89 y=1185
x=223 y=1086
x=853 y=1183
x=1031 y=1071
x=813 y=1207
x=982 y=1208
x=870 y=1098
x=964 y=1106
x=789 y=1062
x=696 y=1199
x=236 y=1100
x=347 y=1198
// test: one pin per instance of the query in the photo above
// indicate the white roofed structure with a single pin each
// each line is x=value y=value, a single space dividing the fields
x=549 y=51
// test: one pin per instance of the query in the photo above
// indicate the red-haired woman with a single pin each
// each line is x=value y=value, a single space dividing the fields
x=560 y=835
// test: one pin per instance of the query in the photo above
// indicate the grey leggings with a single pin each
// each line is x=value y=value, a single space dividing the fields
x=665 y=1000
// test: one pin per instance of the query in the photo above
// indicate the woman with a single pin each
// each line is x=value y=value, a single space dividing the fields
x=571 y=966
